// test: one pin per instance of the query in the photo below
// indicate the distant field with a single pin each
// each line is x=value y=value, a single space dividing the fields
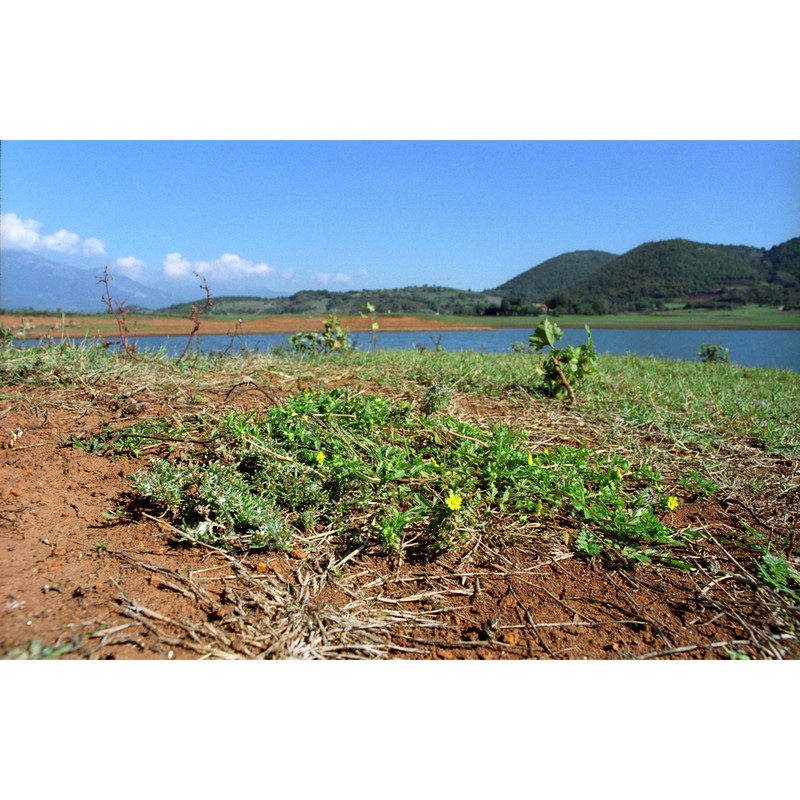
x=752 y=317
x=33 y=325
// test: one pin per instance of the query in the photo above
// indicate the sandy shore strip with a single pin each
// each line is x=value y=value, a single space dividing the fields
x=77 y=326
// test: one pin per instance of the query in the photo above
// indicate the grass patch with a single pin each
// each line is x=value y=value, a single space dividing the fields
x=416 y=454
x=374 y=471
x=699 y=406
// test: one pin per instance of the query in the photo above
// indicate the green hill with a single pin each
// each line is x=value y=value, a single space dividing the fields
x=407 y=300
x=679 y=271
x=779 y=282
x=539 y=283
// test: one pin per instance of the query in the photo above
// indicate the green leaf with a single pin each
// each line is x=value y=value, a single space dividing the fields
x=587 y=543
x=547 y=333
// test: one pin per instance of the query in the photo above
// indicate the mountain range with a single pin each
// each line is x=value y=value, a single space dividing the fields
x=648 y=277
x=28 y=281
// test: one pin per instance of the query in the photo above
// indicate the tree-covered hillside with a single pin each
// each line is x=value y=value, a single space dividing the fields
x=677 y=270
x=408 y=300
x=779 y=282
x=539 y=283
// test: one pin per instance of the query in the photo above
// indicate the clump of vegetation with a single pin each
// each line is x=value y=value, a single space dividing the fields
x=565 y=368
x=776 y=572
x=697 y=486
x=332 y=339
x=6 y=336
x=713 y=354
x=365 y=468
x=436 y=397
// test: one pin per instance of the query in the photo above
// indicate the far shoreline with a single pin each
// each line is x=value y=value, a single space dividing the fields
x=33 y=325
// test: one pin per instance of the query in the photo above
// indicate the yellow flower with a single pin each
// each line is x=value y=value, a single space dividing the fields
x=530 y=460
x=320 y=457
x=434 y=462
x=545 y=451
x=672 y=503
x=619 y=472
x=453 y=501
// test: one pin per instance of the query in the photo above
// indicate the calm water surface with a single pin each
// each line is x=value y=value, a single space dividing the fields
x=747 y=348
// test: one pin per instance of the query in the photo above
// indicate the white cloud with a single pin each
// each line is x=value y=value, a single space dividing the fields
x=18 y=233
x=348 y=278
x=61 y=241
x=176 y=266
x=94 y=247
x=24 y=234
x=321 y=277
x=130 y=266
x=228 y=266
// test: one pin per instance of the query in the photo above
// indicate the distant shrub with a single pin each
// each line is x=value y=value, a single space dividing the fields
x=333 y=339
x=713 y=354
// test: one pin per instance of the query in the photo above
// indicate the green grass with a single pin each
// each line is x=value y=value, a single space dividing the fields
x=361 y=467
x=388 y=460
x=699 y=405
x=688 y=401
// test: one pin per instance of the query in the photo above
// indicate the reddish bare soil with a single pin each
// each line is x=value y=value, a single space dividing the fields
x=124 y=588
x=79 y=326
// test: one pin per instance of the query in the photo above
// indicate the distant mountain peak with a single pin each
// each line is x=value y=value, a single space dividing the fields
x=30 y=281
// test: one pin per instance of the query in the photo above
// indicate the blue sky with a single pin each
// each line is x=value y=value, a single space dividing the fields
x=257 y=216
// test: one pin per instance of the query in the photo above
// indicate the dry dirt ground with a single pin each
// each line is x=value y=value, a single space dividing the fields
x=78 y=326
x=86 y=574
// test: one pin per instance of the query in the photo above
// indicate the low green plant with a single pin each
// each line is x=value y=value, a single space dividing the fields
x=6 y=336
x=116 y=516
x=776 y=572
x=562 y=369
x=696 y=486
x=36 y=651
x=214 y=502
x=713 y=354
x=735 y=655
x=436 y=397
x=367 y=468
x=332 y=339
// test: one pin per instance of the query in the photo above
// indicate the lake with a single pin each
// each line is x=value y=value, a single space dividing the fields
x=772 y=348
